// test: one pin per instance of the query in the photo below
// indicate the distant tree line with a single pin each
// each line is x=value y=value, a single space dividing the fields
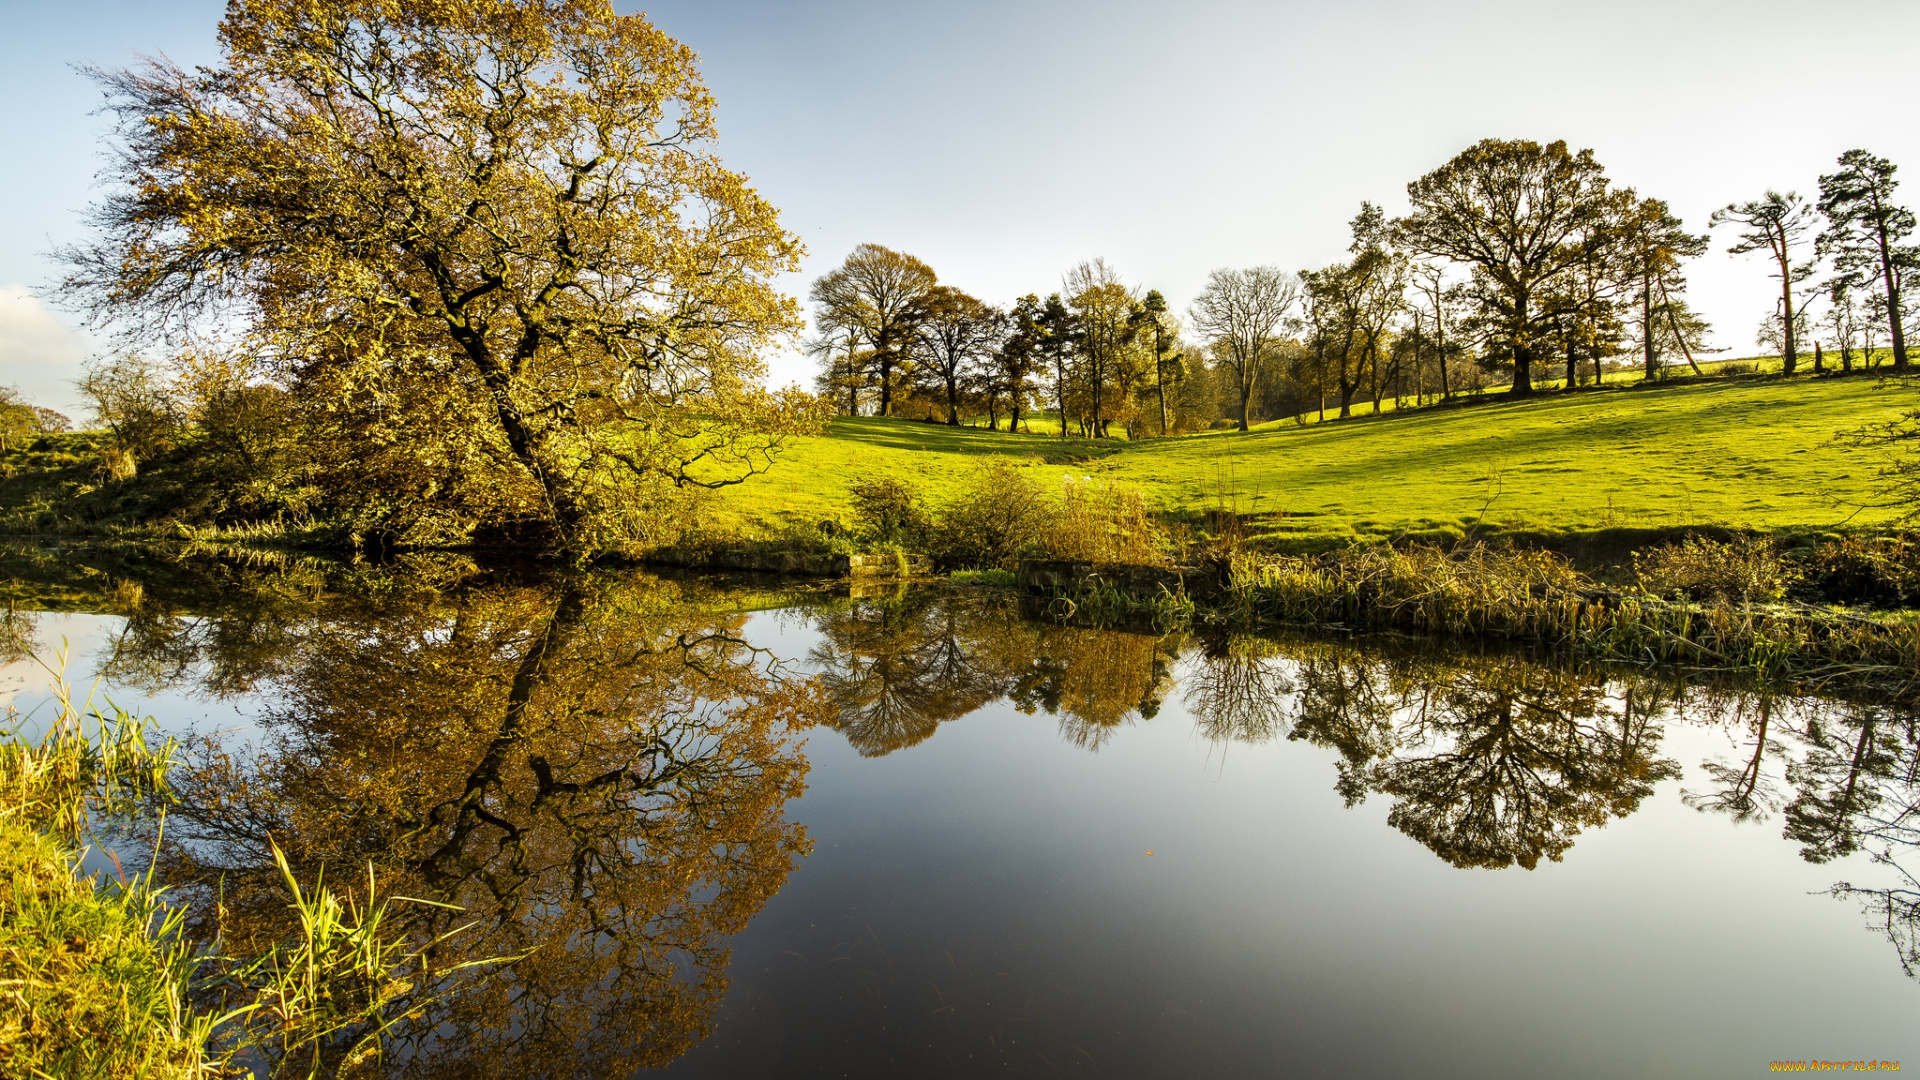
x=1516 y=262
x=20 y=419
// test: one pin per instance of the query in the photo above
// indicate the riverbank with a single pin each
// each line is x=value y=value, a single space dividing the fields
x=1729 y=606
x=100 y=975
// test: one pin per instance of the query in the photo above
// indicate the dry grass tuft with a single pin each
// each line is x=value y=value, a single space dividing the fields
x=1105 y=522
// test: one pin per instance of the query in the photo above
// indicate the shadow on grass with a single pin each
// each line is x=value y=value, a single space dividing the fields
x=1356 y=450
x=941 y=439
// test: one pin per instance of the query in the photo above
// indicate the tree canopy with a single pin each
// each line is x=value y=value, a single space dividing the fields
x=1518 y=214
x=485 y=247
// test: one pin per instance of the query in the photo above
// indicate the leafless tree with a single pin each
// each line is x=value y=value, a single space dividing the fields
x=1244 y=314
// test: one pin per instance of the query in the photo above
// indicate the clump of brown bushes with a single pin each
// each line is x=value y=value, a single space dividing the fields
x=1700 y=568
x=1473 y=589
x=1101 y=521
x=1004 y=514
x=1881 y=570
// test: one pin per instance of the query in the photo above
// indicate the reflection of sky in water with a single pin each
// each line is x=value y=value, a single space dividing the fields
x=89 y=641
x=986 y=898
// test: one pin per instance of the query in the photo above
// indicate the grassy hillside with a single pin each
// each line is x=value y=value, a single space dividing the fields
x=1752 y=453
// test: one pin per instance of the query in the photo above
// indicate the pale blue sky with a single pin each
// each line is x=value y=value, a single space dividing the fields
x=1003 y=142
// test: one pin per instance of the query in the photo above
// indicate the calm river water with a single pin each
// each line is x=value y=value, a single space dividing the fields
x=740 y=833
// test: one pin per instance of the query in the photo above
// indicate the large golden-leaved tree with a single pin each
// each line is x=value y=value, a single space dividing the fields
x=484 y=246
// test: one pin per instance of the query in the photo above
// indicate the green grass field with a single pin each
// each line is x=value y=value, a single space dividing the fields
x=1742 y=453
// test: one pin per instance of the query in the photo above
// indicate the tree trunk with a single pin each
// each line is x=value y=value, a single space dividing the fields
x=1160 y=375
x=1373 y=375
x=1646 y=325
x=1790 y=355
x=1898 y=333
x=953 y=402
x=1320 y=351
x=853 y=380
x=1522 y=372
x=1060 y=390
x=1099 y=387
x=567 y=511
x=1522 y=357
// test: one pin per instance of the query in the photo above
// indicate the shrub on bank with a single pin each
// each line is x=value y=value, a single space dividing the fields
x=1881 y=570
x=1003 y=514
x=1102 y=521
x=1475 y=589
x=889 y=511
x=1000 y=514
x=1537 y=596
x=1697 y=568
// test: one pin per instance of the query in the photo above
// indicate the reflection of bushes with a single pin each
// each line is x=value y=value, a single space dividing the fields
x=1095 y=680
x=896 y=670
x=1698 y=568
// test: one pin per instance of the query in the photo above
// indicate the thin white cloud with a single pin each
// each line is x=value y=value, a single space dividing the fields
x=40 y=354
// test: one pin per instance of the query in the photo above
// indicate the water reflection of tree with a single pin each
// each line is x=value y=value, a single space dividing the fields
x=1742 y=788
x=1239 y=690
x=1845 y=774
x=598 y=777
x=1095 y=681
x=898 y=668
x=19 y=635
x=245 y=641
x=1855 y=775
x=1518 y=759
x=1490 y=761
